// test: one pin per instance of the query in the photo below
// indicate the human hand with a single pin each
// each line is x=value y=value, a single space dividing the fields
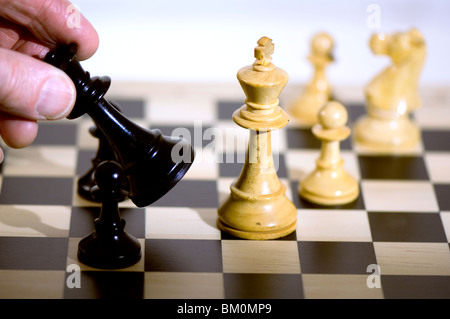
x=30 y=89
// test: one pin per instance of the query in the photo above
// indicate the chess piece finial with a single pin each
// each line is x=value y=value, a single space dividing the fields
x=393 y=94
x=322 y=45
x=257 y=207
x=329 y=183
x=263 y=55
x=333 y=116
x=318 y=91
x=109 y=246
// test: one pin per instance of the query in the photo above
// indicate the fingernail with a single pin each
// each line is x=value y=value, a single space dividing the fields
x=56 y=98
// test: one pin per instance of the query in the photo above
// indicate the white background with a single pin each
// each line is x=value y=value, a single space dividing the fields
x=199 y=40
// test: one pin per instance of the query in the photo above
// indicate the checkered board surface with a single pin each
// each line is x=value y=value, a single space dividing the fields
x=400 y=222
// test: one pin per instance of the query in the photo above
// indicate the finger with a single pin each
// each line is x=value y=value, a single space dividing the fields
x=17 y=132
x=52 y=22
x=18 y=38
x=33 y=89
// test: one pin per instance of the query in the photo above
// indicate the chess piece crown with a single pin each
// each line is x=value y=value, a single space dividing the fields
x=262 y=83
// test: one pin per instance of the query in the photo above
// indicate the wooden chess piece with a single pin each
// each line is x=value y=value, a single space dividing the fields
x=392 y=95
x=257 y=207
x=329 y=183
x=109 y=246
x=304 y=109
x=153 y=163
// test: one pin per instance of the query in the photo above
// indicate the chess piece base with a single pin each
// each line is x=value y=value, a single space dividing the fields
x=260 y=235
x=263 y=217
x=386 y=135
x=329 y=187
x=109 y=249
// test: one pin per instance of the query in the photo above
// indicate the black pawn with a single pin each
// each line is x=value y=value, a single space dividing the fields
x=109 y=246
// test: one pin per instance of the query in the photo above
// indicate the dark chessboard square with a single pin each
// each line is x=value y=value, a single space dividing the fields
x=436 y=140
x=263 y=286
x=84 y=161
x=303 y=138
x=131 y=108
x=393 y=167
x=231 y=165
x=135 y=221
x=32 y=253
x=415 y=287
x=195 y=135
x=191 y=193
x=176 y=255
x=443 y=195
x=63 y=133
x=406 y=227
x=336 y=257
x=118 y=285
x=355 y=111
x=82 y=220
x=225 y=109
x=302 y=203
x=36 y=190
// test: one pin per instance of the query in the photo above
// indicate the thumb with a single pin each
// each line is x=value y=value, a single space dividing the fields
x=33 y=89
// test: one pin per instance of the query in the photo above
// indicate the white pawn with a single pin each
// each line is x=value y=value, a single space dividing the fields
x=329 y=183
x=318 y=91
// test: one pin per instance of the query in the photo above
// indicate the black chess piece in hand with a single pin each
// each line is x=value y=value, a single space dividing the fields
x=109 y=246
x=153 y=163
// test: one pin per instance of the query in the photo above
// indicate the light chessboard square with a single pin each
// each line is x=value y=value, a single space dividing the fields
x=411 y=196
x=267 y=257
x=426 y=259
x=329 y=225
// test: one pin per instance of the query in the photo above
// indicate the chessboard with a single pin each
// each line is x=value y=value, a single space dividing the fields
x=392 y=242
